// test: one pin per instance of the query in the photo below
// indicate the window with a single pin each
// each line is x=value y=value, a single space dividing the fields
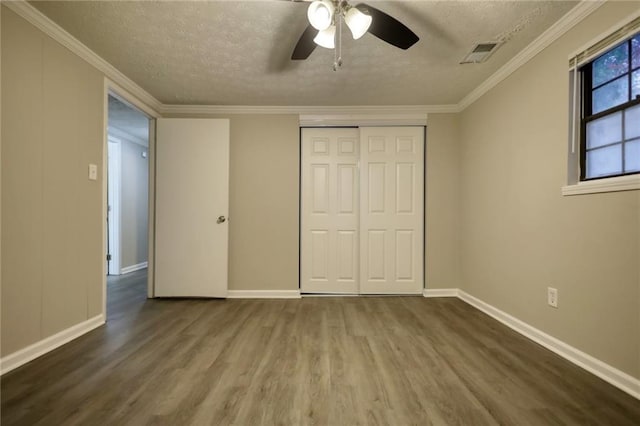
x=610 y=125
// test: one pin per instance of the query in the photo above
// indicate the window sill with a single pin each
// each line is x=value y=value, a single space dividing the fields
x=621 y=183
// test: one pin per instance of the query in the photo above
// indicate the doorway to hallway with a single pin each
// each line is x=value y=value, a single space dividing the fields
x=127 y=195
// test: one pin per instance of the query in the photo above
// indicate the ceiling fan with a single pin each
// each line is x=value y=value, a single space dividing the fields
x=325 y=27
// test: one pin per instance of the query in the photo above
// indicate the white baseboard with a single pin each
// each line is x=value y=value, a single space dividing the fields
x=330 y=295
x=133 y=268
x=612 y=375
x=440 y=292
x=263 y=294
x=23 y=356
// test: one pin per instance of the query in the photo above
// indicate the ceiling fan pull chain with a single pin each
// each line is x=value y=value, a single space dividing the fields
x=337 y=52
x=340 y=40
x=335 y=49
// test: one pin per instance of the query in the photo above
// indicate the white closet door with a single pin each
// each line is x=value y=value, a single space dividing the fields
x=330 y=210
x=392 y=204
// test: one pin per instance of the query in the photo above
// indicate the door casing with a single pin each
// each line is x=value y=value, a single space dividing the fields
x=113 y=89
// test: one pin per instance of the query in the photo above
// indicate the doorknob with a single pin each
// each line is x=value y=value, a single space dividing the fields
x=221 y=219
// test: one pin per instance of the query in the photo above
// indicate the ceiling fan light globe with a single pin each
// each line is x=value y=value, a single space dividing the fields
x=357 y=22
x=320 y=14
x=326 y=38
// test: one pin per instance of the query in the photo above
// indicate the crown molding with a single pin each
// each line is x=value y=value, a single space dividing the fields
x=554 y=32
x=53 y=30
x=309 y=110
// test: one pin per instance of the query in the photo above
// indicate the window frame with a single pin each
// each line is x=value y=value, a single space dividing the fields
x=586 y=107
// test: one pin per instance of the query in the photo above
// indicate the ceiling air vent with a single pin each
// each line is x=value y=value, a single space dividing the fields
x=480 y=52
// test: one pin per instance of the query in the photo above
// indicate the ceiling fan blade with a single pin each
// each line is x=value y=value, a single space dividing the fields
x=388 y=28
x=305 y=45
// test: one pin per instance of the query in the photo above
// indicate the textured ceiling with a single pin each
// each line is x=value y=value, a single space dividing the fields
x=237 y=52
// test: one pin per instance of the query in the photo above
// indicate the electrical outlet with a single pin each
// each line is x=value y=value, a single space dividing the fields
x=552 y=297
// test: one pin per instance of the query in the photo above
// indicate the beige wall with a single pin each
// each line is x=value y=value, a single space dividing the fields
x=134 y=204
x=263 y=203
x=521 y=236
x=442 y=246
x=0 y=180
x=51 y=213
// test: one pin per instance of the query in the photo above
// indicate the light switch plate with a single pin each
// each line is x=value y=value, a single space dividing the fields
x=93 y=172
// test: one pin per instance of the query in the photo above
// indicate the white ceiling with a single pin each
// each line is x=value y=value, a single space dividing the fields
x=237 y=52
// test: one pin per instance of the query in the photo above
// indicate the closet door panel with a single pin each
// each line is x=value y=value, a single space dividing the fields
x=329 y=240
x=392 y=223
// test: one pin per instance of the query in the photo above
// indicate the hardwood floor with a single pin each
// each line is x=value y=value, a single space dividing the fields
x=324 y=361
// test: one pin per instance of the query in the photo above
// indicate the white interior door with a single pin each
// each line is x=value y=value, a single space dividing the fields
x=192 y=204
x=330 y=209
x=392 y=205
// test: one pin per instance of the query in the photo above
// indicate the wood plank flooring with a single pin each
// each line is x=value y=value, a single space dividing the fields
x=320 y=361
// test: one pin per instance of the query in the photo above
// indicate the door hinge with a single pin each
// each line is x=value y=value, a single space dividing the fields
x=108 y=257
